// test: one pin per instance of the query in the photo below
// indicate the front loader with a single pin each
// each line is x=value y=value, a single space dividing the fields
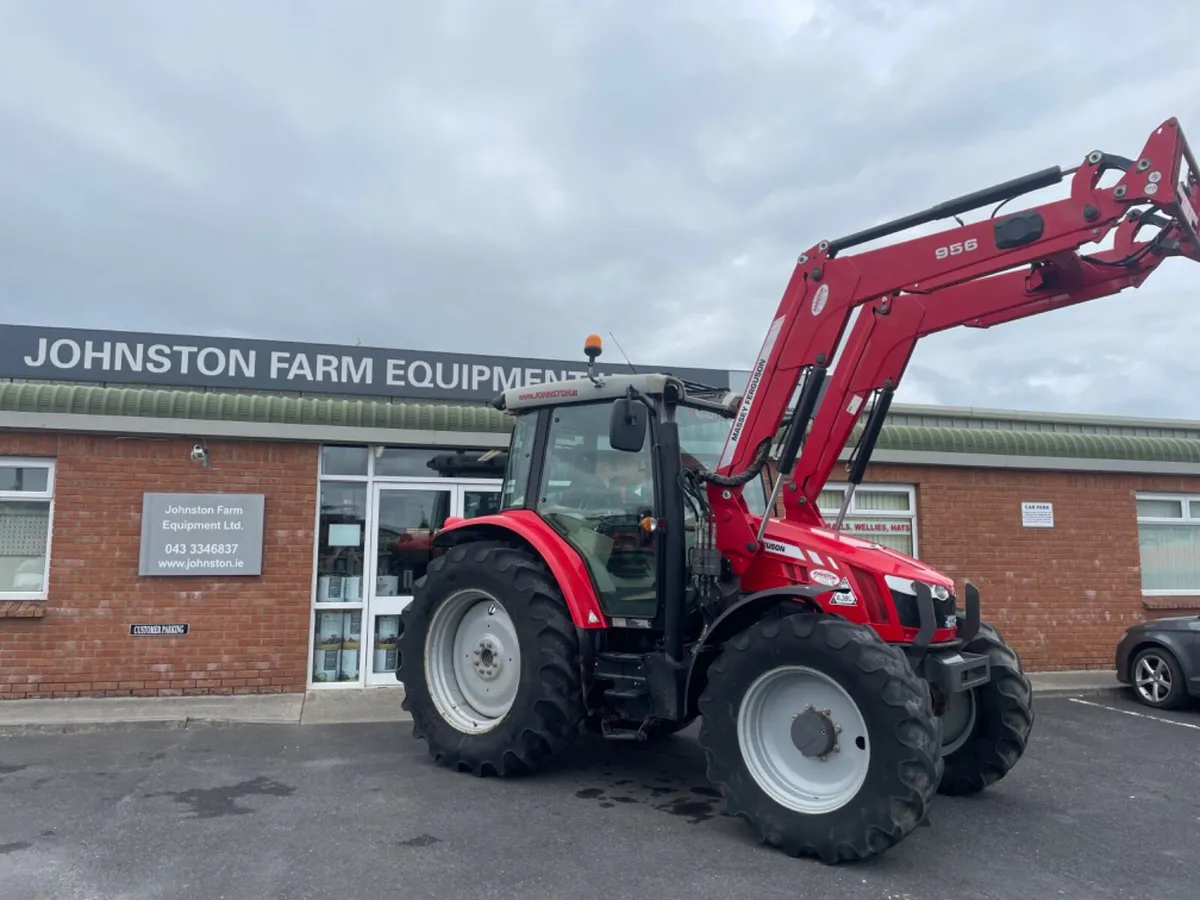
x=637 y=578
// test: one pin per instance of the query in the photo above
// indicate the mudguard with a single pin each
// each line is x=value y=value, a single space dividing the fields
x=561 y=559
x=737 y=617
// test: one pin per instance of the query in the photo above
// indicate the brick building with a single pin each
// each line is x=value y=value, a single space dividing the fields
x=353 y=474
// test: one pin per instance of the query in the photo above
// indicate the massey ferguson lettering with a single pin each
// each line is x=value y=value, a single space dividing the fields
x=756 y=374
x=783 y=549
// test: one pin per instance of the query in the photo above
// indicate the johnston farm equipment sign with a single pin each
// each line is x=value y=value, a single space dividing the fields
x=118 y=357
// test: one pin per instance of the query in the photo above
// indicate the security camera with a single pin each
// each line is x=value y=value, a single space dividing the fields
x=198 y=453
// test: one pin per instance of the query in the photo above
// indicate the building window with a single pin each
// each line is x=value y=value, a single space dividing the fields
x=885 y=514
x=1169 y=543
x=26 y=513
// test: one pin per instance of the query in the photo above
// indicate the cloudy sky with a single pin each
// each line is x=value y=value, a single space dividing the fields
x=505 y=177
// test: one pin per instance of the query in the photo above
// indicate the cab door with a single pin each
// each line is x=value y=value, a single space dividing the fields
x=596 y=498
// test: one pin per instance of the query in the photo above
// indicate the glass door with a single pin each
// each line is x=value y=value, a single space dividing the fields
x=406 y=517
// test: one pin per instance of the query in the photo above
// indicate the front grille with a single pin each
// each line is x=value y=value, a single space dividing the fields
x=910 y=617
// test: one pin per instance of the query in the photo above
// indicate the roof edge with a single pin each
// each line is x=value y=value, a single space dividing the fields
x=1040 y=417
x=925 y=410
x=240 y=430
x=77 y=408
x=940 y=459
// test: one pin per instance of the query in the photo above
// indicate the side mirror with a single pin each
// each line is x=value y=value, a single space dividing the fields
x=627 y=427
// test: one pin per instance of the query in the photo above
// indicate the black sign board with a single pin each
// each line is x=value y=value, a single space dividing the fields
x=172 y=630
x=118 y=357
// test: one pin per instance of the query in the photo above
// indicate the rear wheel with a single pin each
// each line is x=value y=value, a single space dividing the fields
x=489 y=659
x=987 y=728
x=820 y=736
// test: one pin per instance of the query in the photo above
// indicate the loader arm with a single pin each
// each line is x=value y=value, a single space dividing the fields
x=825 y=289
x=881 y=343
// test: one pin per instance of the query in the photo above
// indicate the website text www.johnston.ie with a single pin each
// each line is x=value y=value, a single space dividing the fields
x=189 y=564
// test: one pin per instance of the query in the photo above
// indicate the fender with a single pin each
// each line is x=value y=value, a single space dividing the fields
x=564 y=562
x=740 y=616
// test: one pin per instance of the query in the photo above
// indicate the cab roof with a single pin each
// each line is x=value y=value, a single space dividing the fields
x=610 y=387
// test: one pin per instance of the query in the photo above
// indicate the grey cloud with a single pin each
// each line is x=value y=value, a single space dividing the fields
x=508 y=177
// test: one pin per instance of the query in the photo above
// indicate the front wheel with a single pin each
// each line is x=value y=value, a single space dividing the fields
x=986 y=729
x=489 y=659
x=1157 y=679
x=820 y=736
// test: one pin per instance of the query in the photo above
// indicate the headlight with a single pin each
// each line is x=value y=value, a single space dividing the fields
x=905 y=586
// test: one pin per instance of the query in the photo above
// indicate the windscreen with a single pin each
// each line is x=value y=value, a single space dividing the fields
x=702 y=435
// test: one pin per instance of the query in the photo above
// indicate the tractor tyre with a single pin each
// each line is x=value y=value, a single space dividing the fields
x=489 y=659
x=986 y=729
x=821 y=737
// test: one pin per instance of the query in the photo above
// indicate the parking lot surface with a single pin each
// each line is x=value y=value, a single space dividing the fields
x=1106 y=804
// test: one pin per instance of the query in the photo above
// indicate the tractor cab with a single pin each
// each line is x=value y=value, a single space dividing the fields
x=592 y=458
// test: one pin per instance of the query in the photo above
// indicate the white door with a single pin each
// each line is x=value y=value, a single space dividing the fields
x=406 y=516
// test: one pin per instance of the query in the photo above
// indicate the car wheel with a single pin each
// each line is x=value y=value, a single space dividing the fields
x=1157 y=679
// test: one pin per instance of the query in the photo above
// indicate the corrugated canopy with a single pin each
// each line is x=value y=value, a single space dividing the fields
x=985 y=435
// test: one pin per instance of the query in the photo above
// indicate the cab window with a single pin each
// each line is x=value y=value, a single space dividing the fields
x=596 y=498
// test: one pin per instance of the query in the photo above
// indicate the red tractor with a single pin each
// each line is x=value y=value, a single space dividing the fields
x=637 y=578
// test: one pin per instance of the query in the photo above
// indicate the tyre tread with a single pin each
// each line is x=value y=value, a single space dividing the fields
x=554 y=715
x=919 y=770
x=995 y=750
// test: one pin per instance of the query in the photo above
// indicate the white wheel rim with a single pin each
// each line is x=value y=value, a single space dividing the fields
x=796 y=702
x=1153 y=678
x=958 y=721
x=472 y=661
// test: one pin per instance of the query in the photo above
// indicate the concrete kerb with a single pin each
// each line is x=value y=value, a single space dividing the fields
x=1076 y=682
x=330 y=707
x=74 y=715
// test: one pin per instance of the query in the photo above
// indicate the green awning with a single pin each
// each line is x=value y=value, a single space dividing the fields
x=87 y=400
x=1010 y=442
x=262 y=409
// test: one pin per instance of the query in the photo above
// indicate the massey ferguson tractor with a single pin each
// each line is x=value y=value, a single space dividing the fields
x=659 y=556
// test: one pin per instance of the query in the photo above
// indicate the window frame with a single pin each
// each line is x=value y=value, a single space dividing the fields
x=539 y=479
x=878 y=487
x=370 y=481
x=1185 y=501
x=51 y=467
x=529 y=475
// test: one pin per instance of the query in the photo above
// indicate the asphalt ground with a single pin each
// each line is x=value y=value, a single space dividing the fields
x=1106 y=804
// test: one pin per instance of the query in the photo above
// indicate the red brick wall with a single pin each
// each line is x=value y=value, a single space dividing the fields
x=1062 y=596
x=248 y=634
